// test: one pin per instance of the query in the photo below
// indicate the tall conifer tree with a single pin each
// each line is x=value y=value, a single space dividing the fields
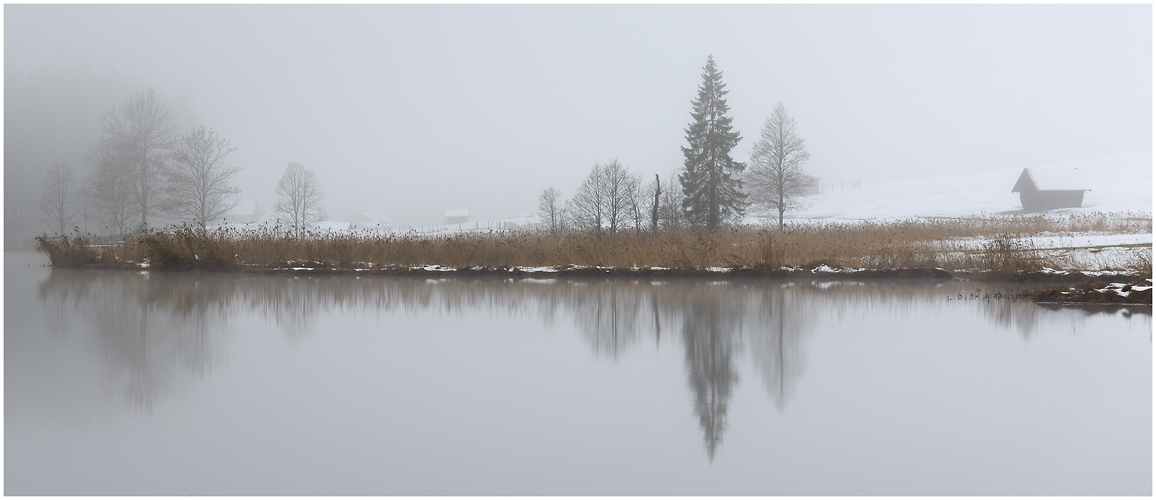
x=714 y=194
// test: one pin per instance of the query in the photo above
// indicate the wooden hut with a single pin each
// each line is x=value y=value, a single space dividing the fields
x=1047 y=189
x=457 y=216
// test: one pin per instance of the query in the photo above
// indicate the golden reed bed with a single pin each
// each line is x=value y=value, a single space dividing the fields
x=948 y=244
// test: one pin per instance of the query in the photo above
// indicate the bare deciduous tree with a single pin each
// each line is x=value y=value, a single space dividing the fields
x=58 y=204
x=142 y=133
x=776 y=177
x=587 y=208
x=298 y=198
x=636 y=206
x=550 y=206
x=198 y=182
x=109 y=189
x=644 y=204
x=565 y=218
x=621 y=187
x=604 y=198
x=670 y=202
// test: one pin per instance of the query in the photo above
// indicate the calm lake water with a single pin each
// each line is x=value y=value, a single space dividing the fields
x=134 y=383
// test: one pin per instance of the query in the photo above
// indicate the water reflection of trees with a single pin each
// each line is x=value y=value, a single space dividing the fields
x=152 y=329
x=710 y=337
x=774 y=341
x=148 y=330
x=1027 y=317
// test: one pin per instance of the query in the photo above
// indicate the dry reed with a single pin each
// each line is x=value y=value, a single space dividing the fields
x=913 y=243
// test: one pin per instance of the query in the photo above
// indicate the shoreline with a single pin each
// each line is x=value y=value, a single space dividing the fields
x=1042 y=287
x=1071 y=256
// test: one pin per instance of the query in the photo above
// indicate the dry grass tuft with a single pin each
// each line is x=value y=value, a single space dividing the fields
x=189 y=249
x=90 y=251
x=1005 y=255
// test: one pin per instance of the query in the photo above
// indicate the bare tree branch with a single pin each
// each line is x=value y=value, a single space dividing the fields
x=587 y=208
x=670 y=206
x=605 y=198
x=621 y=188
x=299 y=198
x=198 y=183
x=142 y=133
x=776 y=177
x=109 y=187
x=550 y=206
x=58 y=204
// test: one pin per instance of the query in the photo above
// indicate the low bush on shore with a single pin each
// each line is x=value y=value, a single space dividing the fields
x=915 y=243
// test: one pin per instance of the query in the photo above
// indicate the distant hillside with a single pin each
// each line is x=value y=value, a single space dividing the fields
x=1118 y=183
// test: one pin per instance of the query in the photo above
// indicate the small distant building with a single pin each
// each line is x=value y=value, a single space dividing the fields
x=1048 y=189
x=369 y=220
x=812 y=185
x=244 y=211
x=457 y=216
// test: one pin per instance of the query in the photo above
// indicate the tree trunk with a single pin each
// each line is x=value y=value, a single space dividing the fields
x=144 y=195
x=654 y=208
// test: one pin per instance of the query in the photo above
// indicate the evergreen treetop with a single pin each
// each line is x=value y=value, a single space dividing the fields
x=713 y=192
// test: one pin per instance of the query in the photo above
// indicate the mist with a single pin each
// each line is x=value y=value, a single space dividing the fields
x=409 y=110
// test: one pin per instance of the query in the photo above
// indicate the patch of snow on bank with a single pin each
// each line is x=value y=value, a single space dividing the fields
x=1064 y=241
x=537 y=269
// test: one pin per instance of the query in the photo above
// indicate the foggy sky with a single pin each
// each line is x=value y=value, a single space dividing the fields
x=409 y=110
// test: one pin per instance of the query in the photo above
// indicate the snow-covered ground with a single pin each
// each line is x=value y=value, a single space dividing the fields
x=1118 y=184
x=1092 y=242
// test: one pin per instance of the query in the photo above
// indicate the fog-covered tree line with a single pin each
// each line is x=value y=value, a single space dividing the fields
x=144 y=163
x=142 y=167
x=711 y=190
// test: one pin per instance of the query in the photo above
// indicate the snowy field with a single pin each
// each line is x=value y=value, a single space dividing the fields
x=1118 y=184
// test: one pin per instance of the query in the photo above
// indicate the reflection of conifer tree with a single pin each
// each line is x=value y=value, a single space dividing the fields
x=710 y=334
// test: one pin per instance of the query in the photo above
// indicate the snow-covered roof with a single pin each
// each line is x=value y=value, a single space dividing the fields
x=1051 y=179
x=524 y=219
x=263 y=216
x=373 y=217
x=457 y=212
x=243 y=207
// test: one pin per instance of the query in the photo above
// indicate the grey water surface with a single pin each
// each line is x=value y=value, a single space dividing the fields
x=128 y=382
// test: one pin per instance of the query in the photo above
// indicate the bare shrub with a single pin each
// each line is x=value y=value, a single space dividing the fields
x=1005 y=255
